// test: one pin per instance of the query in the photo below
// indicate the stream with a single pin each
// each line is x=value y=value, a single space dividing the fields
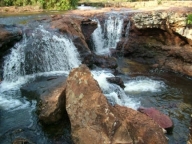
x=168 y=92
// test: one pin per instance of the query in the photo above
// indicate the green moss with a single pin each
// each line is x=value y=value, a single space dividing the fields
x=189 y=19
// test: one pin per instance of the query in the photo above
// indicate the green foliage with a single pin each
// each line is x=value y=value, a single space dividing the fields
x=46 y=4
x=189 y=19
x=159 y=2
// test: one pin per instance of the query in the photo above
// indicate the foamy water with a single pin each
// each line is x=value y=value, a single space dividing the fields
x=114 y=93
x=144 y=84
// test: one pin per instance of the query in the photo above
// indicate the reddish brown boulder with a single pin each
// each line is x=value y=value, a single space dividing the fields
x=94 y=120
x=160 y=37
x=163 y=120
x=80 y=30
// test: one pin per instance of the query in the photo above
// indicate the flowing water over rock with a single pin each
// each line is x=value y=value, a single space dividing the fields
x=44 y=52
x=107 y=35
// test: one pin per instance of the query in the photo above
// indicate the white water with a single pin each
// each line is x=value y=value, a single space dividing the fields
x=43 y=53
x=106 y=38
x=113 y=92
x=144 y=84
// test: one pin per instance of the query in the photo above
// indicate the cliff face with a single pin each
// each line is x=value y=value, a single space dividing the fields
x=162 y=38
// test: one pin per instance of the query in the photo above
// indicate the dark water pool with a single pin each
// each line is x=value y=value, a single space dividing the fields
x=169 y=92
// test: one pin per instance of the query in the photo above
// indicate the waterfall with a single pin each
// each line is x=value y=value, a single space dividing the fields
x=41 y=51
x=114 y=93
x=107 y=36
x=104 y=38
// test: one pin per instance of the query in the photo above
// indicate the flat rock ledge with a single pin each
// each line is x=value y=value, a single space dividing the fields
x=94 y=120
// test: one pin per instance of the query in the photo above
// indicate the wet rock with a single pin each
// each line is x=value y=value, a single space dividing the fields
x=50 y=94
x=116 y=80
x=105 y=61
x=75 y=27
x=94 y=120
x=163 y=120
x=160 y=35
x=190 y=134
x=88 y=26
x=21 y=141
x=9 y=35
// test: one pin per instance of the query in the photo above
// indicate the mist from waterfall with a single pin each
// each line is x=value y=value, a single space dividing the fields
x=106 y=36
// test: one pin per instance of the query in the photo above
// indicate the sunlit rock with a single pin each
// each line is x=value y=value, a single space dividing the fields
x=161 y=37
x=94 y=120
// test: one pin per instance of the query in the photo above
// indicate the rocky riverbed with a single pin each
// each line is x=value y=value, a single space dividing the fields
x=159 y=38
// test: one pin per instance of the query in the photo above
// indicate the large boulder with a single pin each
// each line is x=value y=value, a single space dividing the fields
x=160 y=37
x=94 y=120
x=50 y=94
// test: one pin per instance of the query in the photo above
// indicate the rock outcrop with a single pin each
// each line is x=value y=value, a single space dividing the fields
x=78 y=28
x=94 y=120
x=161 y=37
x=9 y=35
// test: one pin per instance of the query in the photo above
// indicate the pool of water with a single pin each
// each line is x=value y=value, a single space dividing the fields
x=168 y=92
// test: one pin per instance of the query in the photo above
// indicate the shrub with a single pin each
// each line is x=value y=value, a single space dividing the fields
x=189 y=19
x=46 y=4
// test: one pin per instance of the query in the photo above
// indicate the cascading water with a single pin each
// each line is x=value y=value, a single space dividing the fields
x=114 y=93
x=42 y=51
x=106 y=37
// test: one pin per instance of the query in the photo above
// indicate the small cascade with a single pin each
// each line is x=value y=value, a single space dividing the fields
x=107 y=36
x=41 y=51
x=114 y=93
x=144 y=84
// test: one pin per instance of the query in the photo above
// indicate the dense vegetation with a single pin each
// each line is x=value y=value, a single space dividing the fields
x=45 y=4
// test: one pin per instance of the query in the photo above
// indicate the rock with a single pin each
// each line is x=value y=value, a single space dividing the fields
x=116 y=80
x=9 y=35
x=87 y=27
x=190 y=134
x=105 y=61
x=76 y=28
x=163 y=120
x=94 y=120
x=50 y=94
x=157 y=36
x=21 y=141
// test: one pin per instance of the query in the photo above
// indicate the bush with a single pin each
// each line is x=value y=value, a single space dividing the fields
x=46 y=4
x=189 y=19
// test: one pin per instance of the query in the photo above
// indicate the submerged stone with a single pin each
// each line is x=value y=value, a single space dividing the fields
x=163 y=120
